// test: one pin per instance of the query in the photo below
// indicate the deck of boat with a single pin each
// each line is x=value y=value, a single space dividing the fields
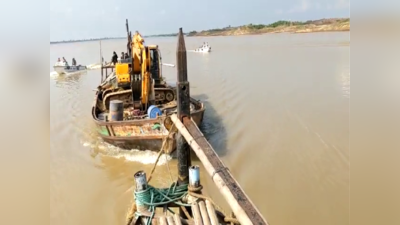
x=111 y=65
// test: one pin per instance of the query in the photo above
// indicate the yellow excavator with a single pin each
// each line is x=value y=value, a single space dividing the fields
x=140 y=76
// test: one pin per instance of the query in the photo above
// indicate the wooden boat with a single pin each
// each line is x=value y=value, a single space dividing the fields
x=137 y=83
x=141 y=132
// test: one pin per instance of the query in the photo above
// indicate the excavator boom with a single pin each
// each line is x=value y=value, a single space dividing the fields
x=141 y=64
x=142 y=73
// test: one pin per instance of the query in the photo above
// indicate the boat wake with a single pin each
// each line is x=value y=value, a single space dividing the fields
x=94 y=66
x=144 y=157
x=53 y=74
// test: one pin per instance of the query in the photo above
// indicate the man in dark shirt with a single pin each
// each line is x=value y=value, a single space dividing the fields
x=114 y=58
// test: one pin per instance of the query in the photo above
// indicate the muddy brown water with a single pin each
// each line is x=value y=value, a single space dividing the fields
x=277 y=114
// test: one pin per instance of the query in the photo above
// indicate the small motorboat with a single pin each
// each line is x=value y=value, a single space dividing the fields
x=204 y=48
x=63 y=68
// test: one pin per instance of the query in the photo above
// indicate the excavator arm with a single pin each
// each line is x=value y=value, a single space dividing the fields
x=146 y=80
x=139 y=79
x=142 y=73
x=141 y=65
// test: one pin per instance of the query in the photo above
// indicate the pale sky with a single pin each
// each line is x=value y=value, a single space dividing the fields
x=80 y=19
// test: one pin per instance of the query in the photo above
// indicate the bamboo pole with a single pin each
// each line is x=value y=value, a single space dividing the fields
x=177 y=220
x=196 y=214
x=211 y=213
x=241 y=205
x=204 y=214
x=163 y=220
x=170 y=220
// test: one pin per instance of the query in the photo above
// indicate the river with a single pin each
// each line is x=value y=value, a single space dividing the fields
x=277 y=114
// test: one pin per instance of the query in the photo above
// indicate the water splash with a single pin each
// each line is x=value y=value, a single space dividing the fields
x=94 y=66
x=133 y=155
x=53 y=74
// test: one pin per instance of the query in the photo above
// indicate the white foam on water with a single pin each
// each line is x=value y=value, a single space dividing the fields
x=86 y=144
x=53 y=74
x=145 y=157
x=134 y=155
x=93 y=66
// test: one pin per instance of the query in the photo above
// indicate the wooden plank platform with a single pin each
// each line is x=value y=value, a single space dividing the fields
x=108 y=66
x=203 y=214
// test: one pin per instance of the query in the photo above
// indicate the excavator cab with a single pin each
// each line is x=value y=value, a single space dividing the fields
x=155 y=66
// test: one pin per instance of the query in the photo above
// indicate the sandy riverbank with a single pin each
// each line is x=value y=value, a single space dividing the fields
x=323 y=25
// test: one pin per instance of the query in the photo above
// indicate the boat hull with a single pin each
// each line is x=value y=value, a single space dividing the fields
x=114 y=132
x=203 y=50
x=69 y=69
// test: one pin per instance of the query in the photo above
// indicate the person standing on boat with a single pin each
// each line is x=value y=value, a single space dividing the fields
x=126 y=55
x=114 y=58
x=73 y=62
x=122 y=55
x=65 y=61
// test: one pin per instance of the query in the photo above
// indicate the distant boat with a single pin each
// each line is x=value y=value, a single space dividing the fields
x=204 y=48
x=63 y=68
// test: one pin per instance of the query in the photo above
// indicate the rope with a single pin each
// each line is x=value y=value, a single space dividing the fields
x=132 y=212
x=160 y=153
x=161 y=196
x=195 y=189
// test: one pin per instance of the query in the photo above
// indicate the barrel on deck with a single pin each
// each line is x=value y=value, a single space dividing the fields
x=153 y=111
x=116 y=110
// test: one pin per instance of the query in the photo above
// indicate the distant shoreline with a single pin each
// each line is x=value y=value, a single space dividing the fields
x=311 y=26
x=83 y=40
x=113 y=38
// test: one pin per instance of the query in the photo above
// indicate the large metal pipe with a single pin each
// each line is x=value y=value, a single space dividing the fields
x=183 y=90
x=183 y=103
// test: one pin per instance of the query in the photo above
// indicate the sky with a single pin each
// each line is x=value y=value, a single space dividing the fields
x=82 y=19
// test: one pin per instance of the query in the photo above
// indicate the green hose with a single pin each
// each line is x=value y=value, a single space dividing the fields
x=154 y=197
